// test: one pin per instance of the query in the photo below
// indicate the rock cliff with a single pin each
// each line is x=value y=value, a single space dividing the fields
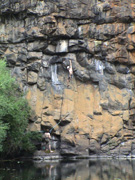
x=95 y=114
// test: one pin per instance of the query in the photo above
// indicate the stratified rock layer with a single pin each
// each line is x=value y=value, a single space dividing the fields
x=96 y=113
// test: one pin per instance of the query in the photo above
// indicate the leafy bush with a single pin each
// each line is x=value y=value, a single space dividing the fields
x=14 y=113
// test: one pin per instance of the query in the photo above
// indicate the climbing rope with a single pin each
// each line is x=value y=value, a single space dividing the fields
x=70 y=65
x=60 y=114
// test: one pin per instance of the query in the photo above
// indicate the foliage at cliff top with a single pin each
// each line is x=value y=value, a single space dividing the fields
x=14 y=113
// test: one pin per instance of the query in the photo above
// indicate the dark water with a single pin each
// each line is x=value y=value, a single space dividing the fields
x=69 y=170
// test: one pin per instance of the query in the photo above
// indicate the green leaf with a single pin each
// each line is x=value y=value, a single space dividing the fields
x=14 y=114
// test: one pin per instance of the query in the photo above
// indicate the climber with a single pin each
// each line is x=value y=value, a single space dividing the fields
x=47 y=138
x=70 y=70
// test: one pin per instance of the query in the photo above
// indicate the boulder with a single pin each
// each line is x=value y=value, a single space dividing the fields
x=32 y=77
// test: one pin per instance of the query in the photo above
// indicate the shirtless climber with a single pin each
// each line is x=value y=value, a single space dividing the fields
x=70 y=70
x=47 y=138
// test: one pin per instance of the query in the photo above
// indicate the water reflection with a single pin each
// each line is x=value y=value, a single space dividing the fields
x=69 y=170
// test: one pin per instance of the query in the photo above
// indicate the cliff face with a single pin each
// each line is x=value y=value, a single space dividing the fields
x=95 y=114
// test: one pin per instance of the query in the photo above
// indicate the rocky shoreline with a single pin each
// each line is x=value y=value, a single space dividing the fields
x=43 y=156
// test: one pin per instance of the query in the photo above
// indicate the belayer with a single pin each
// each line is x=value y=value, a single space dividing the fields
x=47 y=140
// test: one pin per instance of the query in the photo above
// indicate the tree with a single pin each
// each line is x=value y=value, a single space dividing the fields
x=14 y=113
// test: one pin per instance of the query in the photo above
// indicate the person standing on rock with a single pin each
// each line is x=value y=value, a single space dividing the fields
x=70 y=70
x=47 y=139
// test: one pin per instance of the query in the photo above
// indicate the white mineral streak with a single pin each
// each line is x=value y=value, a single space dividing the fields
x=54 y=74
x=62 y=46
x=99 y=66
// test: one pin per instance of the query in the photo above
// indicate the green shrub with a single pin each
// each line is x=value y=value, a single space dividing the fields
x=14 y=113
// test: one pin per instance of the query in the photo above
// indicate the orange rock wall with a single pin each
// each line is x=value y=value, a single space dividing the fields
x=95 y=114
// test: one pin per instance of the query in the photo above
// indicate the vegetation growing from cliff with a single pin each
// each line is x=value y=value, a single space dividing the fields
x=14 y=113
